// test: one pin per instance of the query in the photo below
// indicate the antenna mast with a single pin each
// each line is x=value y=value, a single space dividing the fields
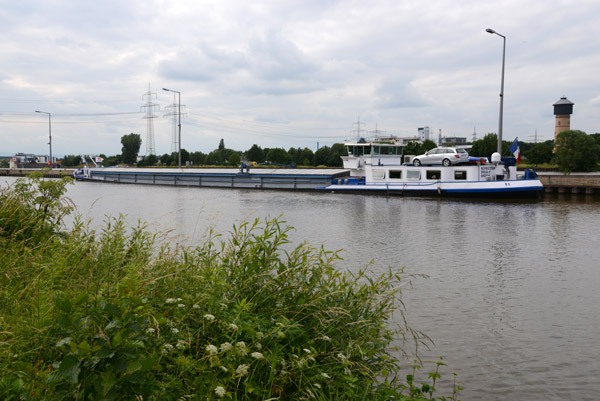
x=149 y=107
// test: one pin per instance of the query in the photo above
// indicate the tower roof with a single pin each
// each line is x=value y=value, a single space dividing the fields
x=563 y=100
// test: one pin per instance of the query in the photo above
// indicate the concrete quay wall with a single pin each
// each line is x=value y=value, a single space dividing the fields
x=22 y=172
x=588 y=183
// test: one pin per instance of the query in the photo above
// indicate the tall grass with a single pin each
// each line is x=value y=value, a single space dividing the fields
x=116 y=315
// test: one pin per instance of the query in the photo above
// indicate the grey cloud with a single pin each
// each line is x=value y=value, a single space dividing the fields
x=398 y=92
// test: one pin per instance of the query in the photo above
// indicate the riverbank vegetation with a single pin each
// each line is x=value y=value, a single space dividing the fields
x=119 y=314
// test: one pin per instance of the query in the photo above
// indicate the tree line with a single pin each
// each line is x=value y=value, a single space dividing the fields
x=329 y=156
x=573 y=151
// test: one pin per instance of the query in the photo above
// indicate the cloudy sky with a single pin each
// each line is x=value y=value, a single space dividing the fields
x=290 y=73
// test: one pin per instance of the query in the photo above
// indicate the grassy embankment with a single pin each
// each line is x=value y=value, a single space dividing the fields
x=116 y=315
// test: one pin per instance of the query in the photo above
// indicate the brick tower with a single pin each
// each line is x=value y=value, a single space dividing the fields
x=563 y=109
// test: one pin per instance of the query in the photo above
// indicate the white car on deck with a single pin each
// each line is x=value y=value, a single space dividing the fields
x=444 y=156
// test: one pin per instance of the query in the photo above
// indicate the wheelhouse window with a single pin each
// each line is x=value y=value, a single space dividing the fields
x=460 y=174
x=433 y=174
x=413 y=175
x=385 y=150
x=358 y=150
x=378 y=174
x=395 y=174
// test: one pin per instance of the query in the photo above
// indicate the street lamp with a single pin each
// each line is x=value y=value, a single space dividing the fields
x=179 y=113
x=49 y=134
x=489 y=30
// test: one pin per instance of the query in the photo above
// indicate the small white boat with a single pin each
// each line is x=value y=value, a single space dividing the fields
x=498 y=179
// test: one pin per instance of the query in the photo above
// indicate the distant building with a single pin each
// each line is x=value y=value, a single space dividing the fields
x=407 y=140
x=29 y=160
x=453 y=141
x=423 y=134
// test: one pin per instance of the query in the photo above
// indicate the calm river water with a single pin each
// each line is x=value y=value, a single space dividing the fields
x=513 y=295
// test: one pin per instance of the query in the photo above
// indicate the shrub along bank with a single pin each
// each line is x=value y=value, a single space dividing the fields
x=114 y=314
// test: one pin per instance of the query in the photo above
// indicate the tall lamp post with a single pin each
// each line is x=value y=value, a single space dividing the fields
x=489 y=30
x=49 y=134
x=179 y=114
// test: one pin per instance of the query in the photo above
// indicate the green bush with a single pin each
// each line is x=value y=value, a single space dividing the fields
x=113 y=315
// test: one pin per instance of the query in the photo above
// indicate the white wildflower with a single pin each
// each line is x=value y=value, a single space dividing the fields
x=310 y=358
x=209 y=317
x=233 y=326
x=242 y=370
x=257 y=355
x=347 y=371
x=241 y=348
x=258 y=346
x=167 y=348
x=224 y=369
x=211 y=349
x=326 y=338
x=260 y=335
x=181 y=305
x=225 y=347
x=181 y=344
x=170 y=300
x=174 y=330
x=150 y=330
x=196 y=306
x=325 y=376
x=306 y=350
x=179 y=299
x=317 y=385
x=341 y=356
x=219 y=391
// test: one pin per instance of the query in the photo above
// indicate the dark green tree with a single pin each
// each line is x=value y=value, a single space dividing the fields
x=278 y=156
x=412 y=148
x=305 y=157
x=149 y=160
x=131 y=146
x=576 y=151
x=198 y=158
x=540 y=152
x=71 y=160
x=322 y=156
x=166 y=159
x=221 y=144
x=488 y=145
x=255 y=154
x=234 y=159
x=335 y=155
x=427 y=145
x=185 y=156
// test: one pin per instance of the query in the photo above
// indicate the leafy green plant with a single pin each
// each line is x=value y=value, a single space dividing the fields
x=115 y=315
